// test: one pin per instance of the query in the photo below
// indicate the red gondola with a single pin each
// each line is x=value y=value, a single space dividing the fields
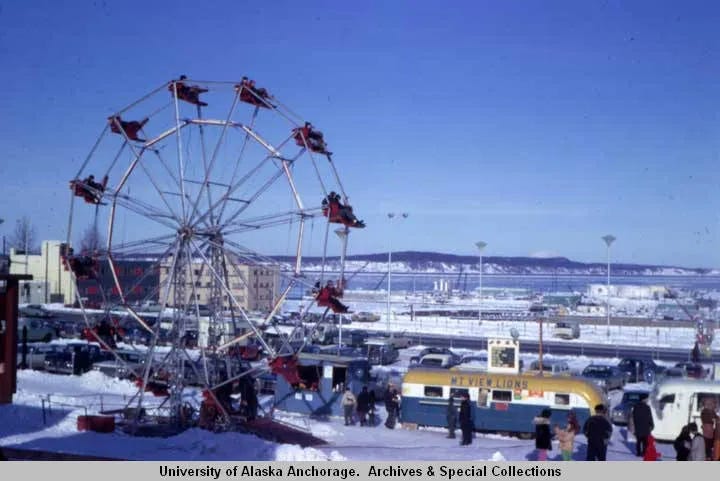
x=313 y=138
x=253 y=95
x=88 y=189
x=131 y=128
x=340 y=213
x=188 y=93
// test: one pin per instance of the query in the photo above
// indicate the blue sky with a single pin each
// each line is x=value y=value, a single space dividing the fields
x=536 y=126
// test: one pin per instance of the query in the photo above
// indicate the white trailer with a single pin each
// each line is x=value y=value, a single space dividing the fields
x=676 y=402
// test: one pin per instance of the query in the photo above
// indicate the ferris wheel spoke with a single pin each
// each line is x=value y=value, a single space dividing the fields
x=269 y=221
x=254 y=258
x=147 y=211
x=216 y=151
x=233 y=188
x=178 y=218
x=232 y=299
x=255 y=196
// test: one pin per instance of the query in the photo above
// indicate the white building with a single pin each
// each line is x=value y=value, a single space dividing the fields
x=51 y=282
x=626 y=291
x=254 y=287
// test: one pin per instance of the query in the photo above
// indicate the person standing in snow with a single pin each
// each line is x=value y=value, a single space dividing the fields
x=451 y=417
x=708 y=419
x=567 y=441
x=597 y=430
x=363 y=405
x=392 y=404
x=371 y=408
x=466 y=421
x=348 y=403
x=643 y=425
x=543 y=438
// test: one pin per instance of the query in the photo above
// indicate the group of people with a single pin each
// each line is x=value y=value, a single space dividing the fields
x=700 y=443
x=565 y=435
x=363 y=405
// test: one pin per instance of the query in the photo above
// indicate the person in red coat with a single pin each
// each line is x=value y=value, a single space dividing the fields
x=651 y=453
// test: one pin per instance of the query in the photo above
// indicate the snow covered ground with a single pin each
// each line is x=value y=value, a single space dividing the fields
x=22 y=426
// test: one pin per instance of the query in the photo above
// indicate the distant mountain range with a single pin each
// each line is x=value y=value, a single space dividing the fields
x=436 y=262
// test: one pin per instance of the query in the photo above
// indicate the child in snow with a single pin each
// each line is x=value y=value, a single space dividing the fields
x=567 y=441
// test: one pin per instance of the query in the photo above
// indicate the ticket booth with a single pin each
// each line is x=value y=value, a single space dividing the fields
x=9 y=290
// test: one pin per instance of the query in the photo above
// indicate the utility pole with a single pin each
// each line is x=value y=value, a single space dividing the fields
x=609 y=239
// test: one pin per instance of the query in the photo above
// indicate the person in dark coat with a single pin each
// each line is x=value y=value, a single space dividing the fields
x=543 y=438
x=451 y=417
x=392 y=404
x=363 y=405
x=643 y=425
x=371 y=407
x=695 y=354
x=597 y=430
x=683 y=443
x=466 y=421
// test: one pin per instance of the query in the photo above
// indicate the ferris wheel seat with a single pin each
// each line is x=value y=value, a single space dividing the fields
x=190 y=94
x=286 y=366
x=129 y=128
x=253 y=95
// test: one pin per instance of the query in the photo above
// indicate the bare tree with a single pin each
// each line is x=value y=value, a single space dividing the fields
x=24 y=237
x=92 y=240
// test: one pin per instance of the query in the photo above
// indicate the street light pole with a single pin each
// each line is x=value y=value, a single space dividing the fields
x=480 y=245
x=391 y=216
x=609 y=239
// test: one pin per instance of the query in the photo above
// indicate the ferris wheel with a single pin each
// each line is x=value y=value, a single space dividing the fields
x=200 y=180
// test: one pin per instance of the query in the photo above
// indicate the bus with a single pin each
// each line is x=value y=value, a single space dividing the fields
x=505 y=403
x=675 y=402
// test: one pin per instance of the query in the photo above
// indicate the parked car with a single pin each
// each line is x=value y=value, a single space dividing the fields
x=36 y=310
x=37 y=330
x=35 y=356
x=621 y=413
x=365 y=317
x=75 y=358
x=607 y=377
x=640 y=370
x=132 y=365
x=552 y=367
x=566 y=330
x=473 y=361
x=435 y=350
x=381 y=352
x=445 y=361
x=693 y=370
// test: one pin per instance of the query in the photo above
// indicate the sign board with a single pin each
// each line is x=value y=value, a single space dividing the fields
x=504 y=356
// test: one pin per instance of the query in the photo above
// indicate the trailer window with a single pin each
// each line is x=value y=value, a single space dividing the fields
x=502 y=396
x=339 y=375
x=667 y=399
x=562 y=399
x=458 y=393
x=483 y=398
x=433 y=391
x=310 y=376
x=702 y=397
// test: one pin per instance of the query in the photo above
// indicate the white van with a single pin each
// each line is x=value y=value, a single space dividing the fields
x=676 y=402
